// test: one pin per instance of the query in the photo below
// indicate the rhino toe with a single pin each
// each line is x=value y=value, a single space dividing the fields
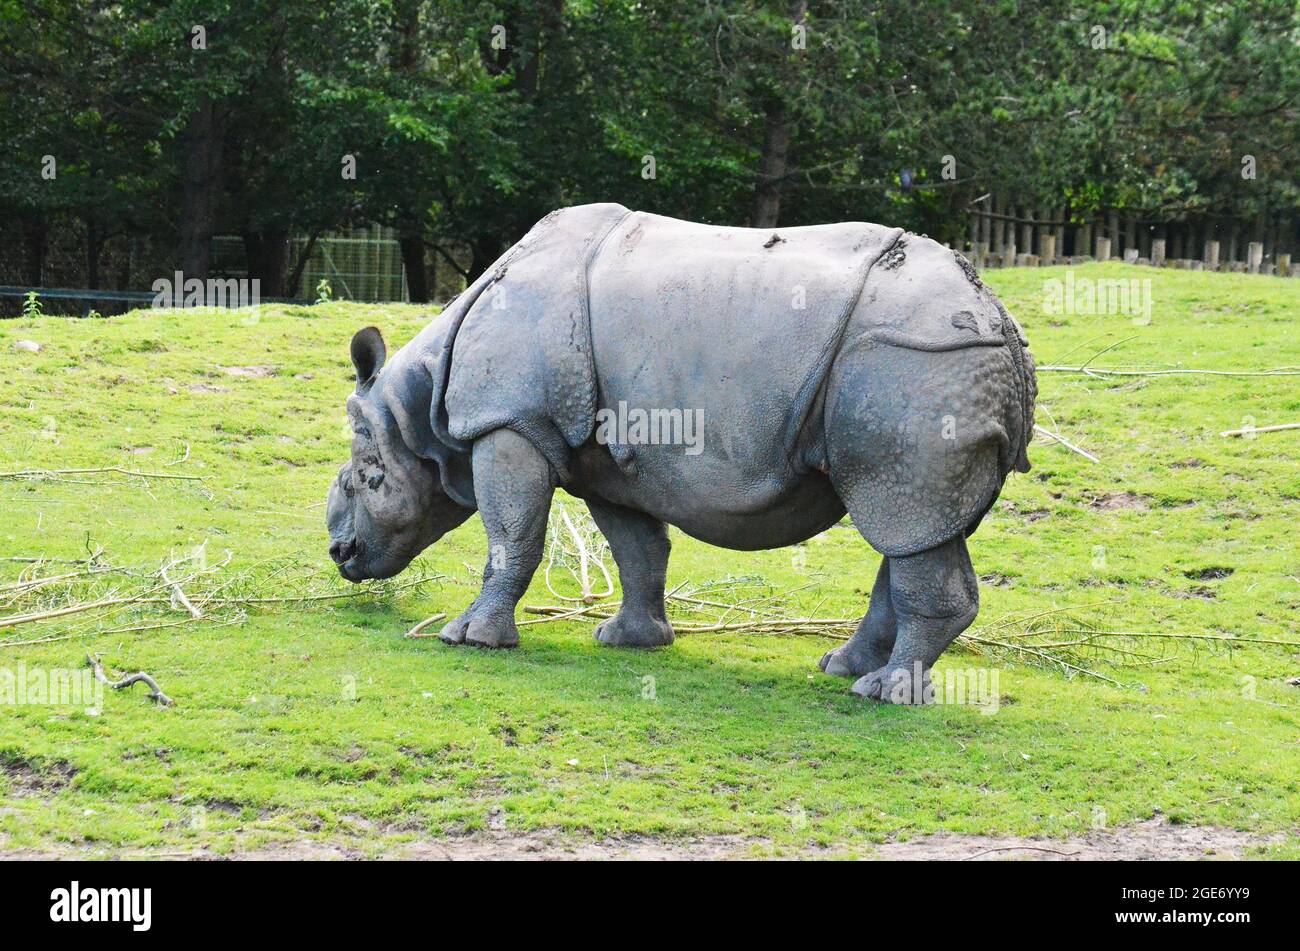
x=620 y=631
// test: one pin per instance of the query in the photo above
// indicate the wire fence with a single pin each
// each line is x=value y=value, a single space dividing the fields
x=361 y=264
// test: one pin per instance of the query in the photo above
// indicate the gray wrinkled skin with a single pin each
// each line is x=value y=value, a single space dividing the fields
x=836 y=368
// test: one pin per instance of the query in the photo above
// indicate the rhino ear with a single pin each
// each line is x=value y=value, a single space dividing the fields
x=368 y=354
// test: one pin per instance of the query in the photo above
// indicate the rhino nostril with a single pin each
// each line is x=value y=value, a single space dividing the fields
x=342 y=551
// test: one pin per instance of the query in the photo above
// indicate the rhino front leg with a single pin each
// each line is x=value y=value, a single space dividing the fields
x=640 y=547
x=513 y=483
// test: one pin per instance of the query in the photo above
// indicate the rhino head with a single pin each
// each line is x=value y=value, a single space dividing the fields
x=388 y=503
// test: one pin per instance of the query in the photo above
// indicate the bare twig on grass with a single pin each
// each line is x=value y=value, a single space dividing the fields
x=1251 y=430
x=1098 y=371
x=31 y=584
x=1018 y=848
x=1067 y=444
x=179 y=592
x=1088 y=370
x=134 y=473
x=135 y=601
x=15 y=619
x=576 y=544
x=156 y=694
x=419 y=629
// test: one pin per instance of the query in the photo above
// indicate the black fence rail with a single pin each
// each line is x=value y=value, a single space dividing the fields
x=84 y=302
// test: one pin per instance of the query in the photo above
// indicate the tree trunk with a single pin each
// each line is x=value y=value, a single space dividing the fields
x=483 y=251
x=999 y=237
x=267 y=253
x=417 y=272
x=200 y=190
x=35 y=235
x=771 y=164
x=93 y=245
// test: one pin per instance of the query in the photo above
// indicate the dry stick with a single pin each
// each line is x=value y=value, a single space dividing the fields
x=1018 y=848
x=302 y=599
x=1011 y=619
x=180 y=594
x=43 y=473
x=1260 y=429
x=584 y=556
x=33 y=583
x=1084 y=365
x=1067 y=444
x=418 y=630
x=1087 y=370
x=561 y=614
x=1181 y=637
x=16 y=619
x=157 y=695
x=110 y=630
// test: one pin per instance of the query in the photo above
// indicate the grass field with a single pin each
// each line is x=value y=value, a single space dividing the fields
x=319 y=721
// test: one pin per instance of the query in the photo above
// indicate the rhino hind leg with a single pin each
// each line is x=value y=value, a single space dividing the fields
x=513 y=483
x=869 y=648
x=935 y=596
x=640 y=547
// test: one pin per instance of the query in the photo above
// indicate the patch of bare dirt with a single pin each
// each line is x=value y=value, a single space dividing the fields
x=1214 y=573
x=258 y=372
x=1116 y=501
x=29 y=778
x=1155 y=839
x=207 y=388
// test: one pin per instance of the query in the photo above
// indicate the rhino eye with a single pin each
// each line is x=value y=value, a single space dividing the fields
x=375 y=481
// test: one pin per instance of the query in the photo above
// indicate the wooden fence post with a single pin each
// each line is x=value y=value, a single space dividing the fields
x=1103 y=249
x=1254 y=256
x=1211 y=255
x=1283 y=268
x=1047 y=248
x=1157 y=252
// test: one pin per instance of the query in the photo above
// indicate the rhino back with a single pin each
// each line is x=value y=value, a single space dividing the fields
x=739 y=325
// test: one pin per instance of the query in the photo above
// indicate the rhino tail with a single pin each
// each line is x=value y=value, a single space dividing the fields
x=1020 y=416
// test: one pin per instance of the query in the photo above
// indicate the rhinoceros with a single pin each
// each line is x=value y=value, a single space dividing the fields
x=746 y=386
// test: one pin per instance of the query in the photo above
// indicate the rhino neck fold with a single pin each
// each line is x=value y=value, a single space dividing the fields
x=410 y=394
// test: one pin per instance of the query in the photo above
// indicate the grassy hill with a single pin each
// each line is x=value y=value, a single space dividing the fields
x=317 y=720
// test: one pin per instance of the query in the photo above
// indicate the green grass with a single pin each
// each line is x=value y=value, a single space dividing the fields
x=744 y=736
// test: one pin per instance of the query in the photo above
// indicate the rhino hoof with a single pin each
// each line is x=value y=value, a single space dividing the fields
x=894 y=685
x=841 y=662
x=454 y=632
x=642 y=632
x=492 y=631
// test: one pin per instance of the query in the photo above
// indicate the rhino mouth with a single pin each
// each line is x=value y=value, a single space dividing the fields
x=360 y=568
x=353 y=571
x=349 y=556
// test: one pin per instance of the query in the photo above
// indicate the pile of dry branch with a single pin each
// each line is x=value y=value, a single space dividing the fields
x=59 y=600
